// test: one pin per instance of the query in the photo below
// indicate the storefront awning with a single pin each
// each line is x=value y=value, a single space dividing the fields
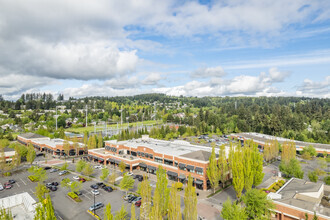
x=143 y=165
x=100 y=159
x=152 y=168
x=197 y=181
x=182 y=176
x=190 y=167
x=111 y=160
x=199 y=169
x=117 y=161
x=182 y=165
x=170 y=173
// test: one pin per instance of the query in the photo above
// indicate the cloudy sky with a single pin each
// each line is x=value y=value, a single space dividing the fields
x=191 y=48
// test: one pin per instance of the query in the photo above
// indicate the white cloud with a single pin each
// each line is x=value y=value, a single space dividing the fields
x=152 y=79
x=315 y=89
x=208 y=72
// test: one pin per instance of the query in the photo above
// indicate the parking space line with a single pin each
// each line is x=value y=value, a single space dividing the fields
x=17 y=184
x=22 y=181
x=32 y=191
x=86 y=196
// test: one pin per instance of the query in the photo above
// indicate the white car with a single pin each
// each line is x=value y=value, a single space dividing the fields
x=95 y=192
x=98 y=167
x=1 y=187
x=129 y=174
x=76 y=177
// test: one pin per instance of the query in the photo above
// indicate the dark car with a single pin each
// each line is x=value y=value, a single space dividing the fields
x=100 y=184
x=53 y=188
x=108 y=189
x=94 y=186
x=136 y=199
x=131 y=199
x=49 y=185
x=55 y=183
x=11 y=181
x=78 y=193
x=47 y=168
x=140 y=178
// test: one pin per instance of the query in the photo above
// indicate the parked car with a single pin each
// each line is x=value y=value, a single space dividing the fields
x=76 y=177
x=132 y=198
x=49 y=185
x=138 y=203
x=129 y=174
x=100 y=184
x=98 y=167
x=137 y=176
x=128 y=196
x=97 y=205
x=140 y=178
x=136 y=199
x=78 y=193
x=94 y=186
x=11 y=181
x=7 y=186
x=62 y=172
x=47 y=168
x=82 y=180
x=95 y=192
x=1 y=187
x=55 y=183
x=53 y=188
x=53 y=170
x=108 y=188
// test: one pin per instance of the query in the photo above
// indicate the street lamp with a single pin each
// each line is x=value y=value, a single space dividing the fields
x=94 y=204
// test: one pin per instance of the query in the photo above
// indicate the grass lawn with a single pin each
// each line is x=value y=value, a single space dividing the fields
x=91 y=128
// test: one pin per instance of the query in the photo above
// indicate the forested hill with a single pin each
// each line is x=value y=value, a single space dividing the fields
x=301 y=118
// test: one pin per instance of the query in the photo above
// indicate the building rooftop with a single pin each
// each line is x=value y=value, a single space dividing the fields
x=263 y=138
x=175 y=148
x=31 y=135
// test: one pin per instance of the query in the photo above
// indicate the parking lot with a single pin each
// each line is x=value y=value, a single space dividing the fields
x=63 y=205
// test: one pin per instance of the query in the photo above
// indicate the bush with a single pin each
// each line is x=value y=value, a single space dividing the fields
x=7 y=174
x=178 y=186
x=272 y=190
x=313 y=176
x=276 y=187
x=73 y=196
x=282 y=182
x=33 y=178
x=279 y=184
x=311 y=150
x=327 y=180
x=319 y=172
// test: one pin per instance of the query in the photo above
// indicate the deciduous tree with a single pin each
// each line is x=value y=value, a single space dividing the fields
x=45 y=210
x=80 y=165
x=238 y=172
x=161 y=195
x=145 y=192
x=105 y=174
x=190 y=201
x=41 y=191
x=88 y=170
x=121 y=214
x=212 y=171
x=233 y=211
x=133 y=215
x=107 y=212
x=223 y=165
x=174 y=211
x=31 y=155
x=126 y=183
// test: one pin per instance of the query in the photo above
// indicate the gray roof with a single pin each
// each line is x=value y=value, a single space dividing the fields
x=298 y=186
x=198 y=155
x=31 y=135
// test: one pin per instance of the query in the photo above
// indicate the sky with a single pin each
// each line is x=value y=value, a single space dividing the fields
x=190 y=48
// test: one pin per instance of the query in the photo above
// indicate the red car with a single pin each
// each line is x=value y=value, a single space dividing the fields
x=7 y=186
x=82 y=180
x=138 y=203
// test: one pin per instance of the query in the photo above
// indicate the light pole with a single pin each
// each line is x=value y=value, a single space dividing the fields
x=94 y=204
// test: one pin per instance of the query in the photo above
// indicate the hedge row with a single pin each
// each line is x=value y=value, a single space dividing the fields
x=33 y=178
x=74 y=196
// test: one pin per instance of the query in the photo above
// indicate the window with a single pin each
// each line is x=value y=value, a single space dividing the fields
x=199 y=172
x=128 y=152
x=168 y=162
x=159 y=160
x=151 y=156
x=133 y=153
x=176 y=164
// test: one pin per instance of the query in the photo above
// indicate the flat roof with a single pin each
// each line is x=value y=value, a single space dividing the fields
x=263 y=138
x=174 y=148
x=31 y=135
x=53 y=142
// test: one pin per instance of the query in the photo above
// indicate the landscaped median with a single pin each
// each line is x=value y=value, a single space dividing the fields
x=275 y=186
x=74 y=197
x=94 y=215
x=33 y=178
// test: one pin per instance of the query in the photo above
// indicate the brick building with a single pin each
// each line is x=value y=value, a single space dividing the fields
x=298 y=197
x=178 y=158
x=52 y=146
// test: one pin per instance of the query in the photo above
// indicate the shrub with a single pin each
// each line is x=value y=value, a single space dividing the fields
x=272 y=190
x=276 y=187
x=327 y=180
x=7 y=174
x=279 y=184
x=319 y=172
x=178 y=185
x=33 y=178
x=282 y=182
x=313 y=176
x=73 y=196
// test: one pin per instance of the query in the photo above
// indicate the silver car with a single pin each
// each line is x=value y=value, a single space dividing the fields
x=1 y=187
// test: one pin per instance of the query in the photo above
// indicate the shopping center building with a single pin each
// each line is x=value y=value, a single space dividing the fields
x=52 y=146
x=179 y=158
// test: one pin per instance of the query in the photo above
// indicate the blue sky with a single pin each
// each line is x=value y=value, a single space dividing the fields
x=190 y=48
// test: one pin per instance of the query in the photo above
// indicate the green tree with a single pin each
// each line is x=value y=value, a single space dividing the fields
x=88 y=170
x=238 y=172
x=75 y=186
x=133 y=215
x=310 y=149
x=38 y=173
x=327 y=180
x=112 y=178
x=145 y=191
x=257 y=204
x=105 y=174
x=288 y=151
x=99 y=141
x=257 y=166
x=122 y=166
x=223 y=165
x=121 y=214
x=313 y=176
x=212 y=171
x=190 y=201
x=247 y=167
x=107 y=212
x=66 y=148
x=161 y=195
x=45 y=210
x=233 y=211
x=41 y=192
x=322 y=163
x=126 y=183
x=174 y=211
x=80 y=165
x=31 y=155
x=65 y=183
x=293 y=168
x=5 y=214
x=64 y=166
